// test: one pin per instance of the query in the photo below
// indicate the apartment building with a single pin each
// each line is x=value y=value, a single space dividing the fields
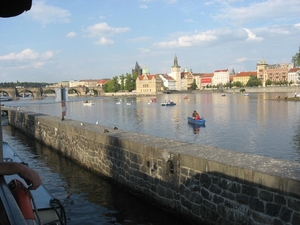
x=220 y=77
x=294 y=76
x=274 y=73
x=147 y=84
x=243 y=77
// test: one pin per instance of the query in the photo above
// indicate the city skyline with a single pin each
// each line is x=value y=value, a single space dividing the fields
x=57 y=41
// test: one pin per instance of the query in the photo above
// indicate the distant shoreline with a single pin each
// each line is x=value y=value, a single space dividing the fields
x=272 y=89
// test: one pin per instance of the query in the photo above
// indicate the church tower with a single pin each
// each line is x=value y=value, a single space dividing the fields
x=176 y=73
x=260 y=69
x=137 y=69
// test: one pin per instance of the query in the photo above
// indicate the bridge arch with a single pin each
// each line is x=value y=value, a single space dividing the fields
x=11 y=92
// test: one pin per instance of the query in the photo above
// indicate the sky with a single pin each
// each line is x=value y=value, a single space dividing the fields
x=62 y=40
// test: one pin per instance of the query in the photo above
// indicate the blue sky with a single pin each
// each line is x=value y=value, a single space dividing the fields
x=60 y=40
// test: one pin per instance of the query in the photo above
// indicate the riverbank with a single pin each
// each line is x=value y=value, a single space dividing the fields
x=289 y=90
x=271 y=89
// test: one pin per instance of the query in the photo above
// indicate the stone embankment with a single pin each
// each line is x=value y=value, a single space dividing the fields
x=271 y=89
x=204 y=185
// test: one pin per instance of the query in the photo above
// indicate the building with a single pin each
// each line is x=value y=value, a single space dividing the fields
x=168 y=82
x=220 y=77
x=243 y=77
x=147 y=84
x=187 y=78
x=197 y=79
x=73 y=83
x=137 y=69
x=176 y=74
x=274 y=73
x=100 y=83
x=89 y=83
x=294 y=76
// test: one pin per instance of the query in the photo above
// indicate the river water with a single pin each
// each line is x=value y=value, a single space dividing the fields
x=87 y=198
x=255 y=124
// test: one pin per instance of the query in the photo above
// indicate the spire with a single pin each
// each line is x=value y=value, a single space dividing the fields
x=137 y=67
x=175 y=62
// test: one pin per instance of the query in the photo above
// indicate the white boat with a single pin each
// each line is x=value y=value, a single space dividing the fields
x=168 y=103
x=88 y=102
x=5 y=98
x=45 y=209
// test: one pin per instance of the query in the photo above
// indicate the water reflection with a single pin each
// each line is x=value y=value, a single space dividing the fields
x=88 y=198
x=196 y=127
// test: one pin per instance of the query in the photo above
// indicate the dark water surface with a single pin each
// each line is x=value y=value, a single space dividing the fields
x=88 y=198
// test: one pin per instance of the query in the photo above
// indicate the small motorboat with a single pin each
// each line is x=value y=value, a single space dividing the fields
x=196 y=122
x=88 y=102
x=168 y=103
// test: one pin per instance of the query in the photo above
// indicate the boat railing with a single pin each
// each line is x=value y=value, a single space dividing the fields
x=10 y=207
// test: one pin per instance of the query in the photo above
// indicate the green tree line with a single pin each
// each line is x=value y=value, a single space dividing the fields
x=122 y=83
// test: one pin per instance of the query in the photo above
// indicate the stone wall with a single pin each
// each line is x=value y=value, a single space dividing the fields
x=204 y=185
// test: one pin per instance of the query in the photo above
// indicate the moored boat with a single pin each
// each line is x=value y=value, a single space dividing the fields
x=5 y=98
x=34 y=207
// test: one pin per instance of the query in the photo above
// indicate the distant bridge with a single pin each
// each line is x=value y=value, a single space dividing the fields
x=38 y=92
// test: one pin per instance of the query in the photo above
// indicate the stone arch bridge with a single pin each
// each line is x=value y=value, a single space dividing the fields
x=38 y=92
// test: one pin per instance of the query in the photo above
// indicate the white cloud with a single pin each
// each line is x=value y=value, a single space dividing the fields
x=265 y=10
x=71 y=34
x=102 y=29
x=104 y=41
x=38 y=64
x=171 y=1
x=48 y=14
x=26 y=59
x=252 y=36
x=277 y=30
x=47 y=55
x=189 y=21
x=187 y=41
x=297 y=25
x=143 y=6
x=243 y=59
x=144 y=50
x=140 y=39
x=24 y=55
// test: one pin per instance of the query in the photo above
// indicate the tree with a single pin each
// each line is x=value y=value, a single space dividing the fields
x=253 y=81
x=268 y=82
x=130 y=82
x=112 y=85
x=193 y=86
x=296 y=59
x=122 y=80
x=238 y=84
